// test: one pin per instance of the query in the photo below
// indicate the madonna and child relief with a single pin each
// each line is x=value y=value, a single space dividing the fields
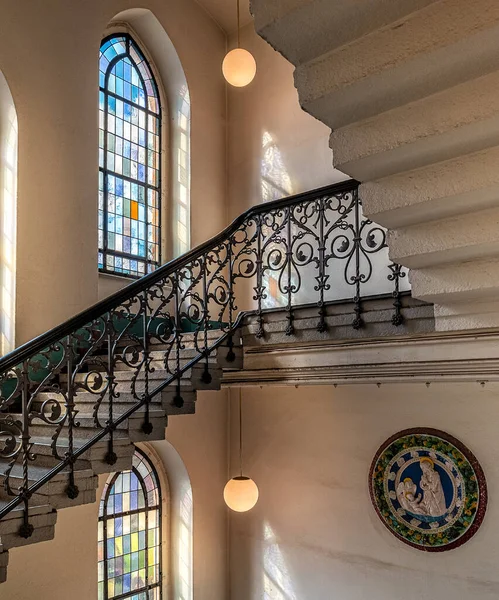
x=431 y=502
x=428 y=489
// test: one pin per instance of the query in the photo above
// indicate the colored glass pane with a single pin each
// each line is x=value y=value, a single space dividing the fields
x=129 y=160
x=129 y=534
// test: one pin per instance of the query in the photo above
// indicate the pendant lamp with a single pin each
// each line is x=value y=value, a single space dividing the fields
x=239 y=66
x=241 y=493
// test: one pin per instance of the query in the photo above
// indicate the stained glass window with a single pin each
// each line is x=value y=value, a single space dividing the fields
x=129 y=160
x=129 y=546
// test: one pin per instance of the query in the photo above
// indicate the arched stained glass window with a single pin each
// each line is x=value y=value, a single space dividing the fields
x=130 y=534
x=129 y=160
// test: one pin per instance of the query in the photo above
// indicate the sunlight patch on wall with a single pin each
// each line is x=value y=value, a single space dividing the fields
x=183 y=172
x=185 y=547
x=275 y=184
x=277 y=583
x=8 y=199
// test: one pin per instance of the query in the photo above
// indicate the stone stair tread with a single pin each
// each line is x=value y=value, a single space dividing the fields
x=17 y=511
x=36 y=472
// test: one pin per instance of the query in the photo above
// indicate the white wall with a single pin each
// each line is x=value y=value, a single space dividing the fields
x=48 y=54
x=275 y=148
x=314 y=534
x=66 y=567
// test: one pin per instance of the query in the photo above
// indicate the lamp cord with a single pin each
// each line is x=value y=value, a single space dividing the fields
x=240 y=432
x=238 y=26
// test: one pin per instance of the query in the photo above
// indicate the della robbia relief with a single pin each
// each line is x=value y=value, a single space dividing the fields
x=428 y=489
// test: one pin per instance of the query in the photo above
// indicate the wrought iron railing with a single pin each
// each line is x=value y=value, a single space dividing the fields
x=310 y=248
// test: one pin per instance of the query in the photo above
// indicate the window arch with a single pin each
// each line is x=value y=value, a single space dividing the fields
x=129 y=539
x=129 y=160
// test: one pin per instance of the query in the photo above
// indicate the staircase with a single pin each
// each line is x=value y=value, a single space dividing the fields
x=410 y=91
x=74 y=400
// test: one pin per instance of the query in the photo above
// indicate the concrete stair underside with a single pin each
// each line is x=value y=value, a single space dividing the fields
x=48 y=499
x=411 y=91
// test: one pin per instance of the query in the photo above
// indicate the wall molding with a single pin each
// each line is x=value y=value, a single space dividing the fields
x=467 y=357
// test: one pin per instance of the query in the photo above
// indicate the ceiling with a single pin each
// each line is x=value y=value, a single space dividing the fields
x=224 y=13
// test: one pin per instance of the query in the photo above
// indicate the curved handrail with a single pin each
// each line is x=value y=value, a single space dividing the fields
x=292 y=250
x=79 y=320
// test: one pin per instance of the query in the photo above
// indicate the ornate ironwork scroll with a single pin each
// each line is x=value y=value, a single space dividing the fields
x=77 y=384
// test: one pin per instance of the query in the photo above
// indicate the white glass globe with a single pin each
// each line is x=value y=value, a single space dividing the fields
x=239 y=67
x=241 y=494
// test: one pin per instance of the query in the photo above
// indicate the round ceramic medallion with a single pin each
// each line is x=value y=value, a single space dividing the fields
x=428 y=489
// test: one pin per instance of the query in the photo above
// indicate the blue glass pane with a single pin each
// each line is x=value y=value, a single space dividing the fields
x=129 y=151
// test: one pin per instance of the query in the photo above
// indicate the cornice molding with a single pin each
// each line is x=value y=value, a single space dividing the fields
x=464 y=356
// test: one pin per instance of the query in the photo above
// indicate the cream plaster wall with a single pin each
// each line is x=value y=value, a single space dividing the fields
x=313 y=534
x=267 y=113
x=48 y=54
x=66 y=567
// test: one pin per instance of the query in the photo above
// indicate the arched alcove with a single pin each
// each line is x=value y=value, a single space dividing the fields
x=174 y=85
x=8 y=209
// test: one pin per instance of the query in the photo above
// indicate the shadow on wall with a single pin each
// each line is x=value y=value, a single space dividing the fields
x=8 y=200
x=277 y=583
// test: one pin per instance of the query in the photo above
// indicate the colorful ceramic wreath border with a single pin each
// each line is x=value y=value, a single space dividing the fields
x=428 y=489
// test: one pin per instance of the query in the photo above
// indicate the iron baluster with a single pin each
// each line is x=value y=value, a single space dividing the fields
x=358 y=322
x=26 y=529
x=111 y=457
x=178 y=400
x=321 y=277
x=72 y=490
x=231 y=357
x=259 y=288
x=289 y=263
x=147 y=426
x=396 y=275
x=206 y=376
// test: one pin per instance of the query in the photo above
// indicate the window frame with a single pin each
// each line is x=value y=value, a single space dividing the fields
x=149 y=264
x=103 y=518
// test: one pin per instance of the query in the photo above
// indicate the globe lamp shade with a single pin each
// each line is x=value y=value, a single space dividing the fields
x=239 y=67
x=241 y=494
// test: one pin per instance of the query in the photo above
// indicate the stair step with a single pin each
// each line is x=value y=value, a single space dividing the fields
x=53 y=492
x=124 y=377
x=234 y=362
x=431 y=130
x=188 y=340
x=158 y=359
x=4 y=561
x=304 y=30
x=462 y=185
x=130 y=429
x=93 y=459
x=42 y=518
x=401 y=63
x=459 y=283
x=454 y=240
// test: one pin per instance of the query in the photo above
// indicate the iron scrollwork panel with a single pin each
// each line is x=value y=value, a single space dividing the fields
x=310 y=250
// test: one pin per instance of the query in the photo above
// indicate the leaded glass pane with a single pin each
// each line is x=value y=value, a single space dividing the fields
x=129 y=160
x=129 y=535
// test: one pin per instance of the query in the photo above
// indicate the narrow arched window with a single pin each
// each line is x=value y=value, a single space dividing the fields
x=129 y=160
x=129 y=548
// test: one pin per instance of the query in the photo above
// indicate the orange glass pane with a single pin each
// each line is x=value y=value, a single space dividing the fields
x=134 y=210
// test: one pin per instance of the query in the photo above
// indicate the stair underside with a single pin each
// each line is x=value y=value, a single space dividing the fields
x=411 y=93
